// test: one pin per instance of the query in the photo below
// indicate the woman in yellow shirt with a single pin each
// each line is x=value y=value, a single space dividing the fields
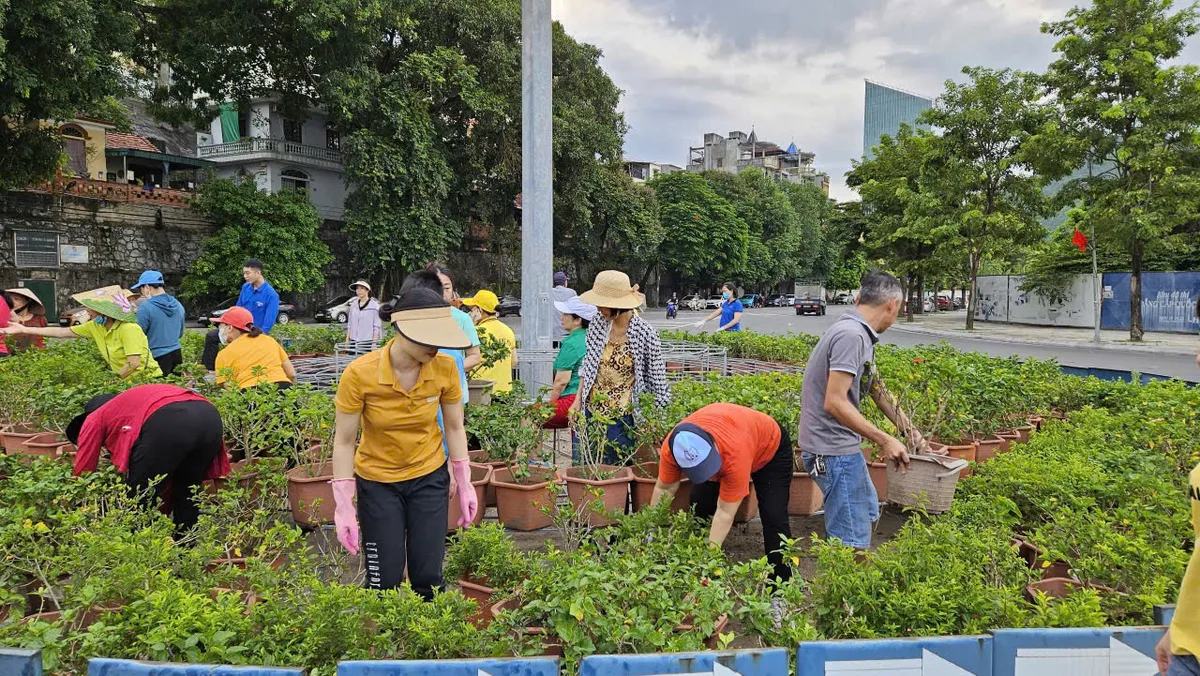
x=398 y=468
x=112 y=326
x=250 y=356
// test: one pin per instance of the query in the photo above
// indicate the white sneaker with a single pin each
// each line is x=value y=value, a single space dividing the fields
x=777 y=607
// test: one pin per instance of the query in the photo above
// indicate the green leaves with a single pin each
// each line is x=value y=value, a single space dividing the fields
x=279 y=229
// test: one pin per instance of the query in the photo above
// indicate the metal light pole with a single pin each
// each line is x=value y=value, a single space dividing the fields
x=1096 y=280
x=537 y=188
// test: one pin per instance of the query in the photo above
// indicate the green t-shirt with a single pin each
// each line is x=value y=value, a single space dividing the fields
x=570 y=356
x=117 y=342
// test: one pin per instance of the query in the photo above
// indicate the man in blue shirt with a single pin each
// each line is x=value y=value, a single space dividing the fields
x=161 y=318
x=257 y=296
x=730 y=311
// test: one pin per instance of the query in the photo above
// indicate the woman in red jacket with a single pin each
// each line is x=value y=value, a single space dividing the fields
x=151 y=431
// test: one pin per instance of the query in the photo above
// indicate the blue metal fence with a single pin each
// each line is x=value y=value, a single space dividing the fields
x=1168 y=301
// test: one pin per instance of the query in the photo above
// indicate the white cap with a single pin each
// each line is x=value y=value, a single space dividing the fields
x=574 y=306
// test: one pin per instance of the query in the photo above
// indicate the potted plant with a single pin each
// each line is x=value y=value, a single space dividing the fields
x=805 y=498
x=877 y=468
x=491 y=351
x=310 y=493
x=645 y=476
x=609 y=484
x=485 y=561
x=508 y=436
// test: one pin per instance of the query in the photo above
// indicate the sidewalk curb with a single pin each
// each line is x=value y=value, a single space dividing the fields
x=1160 y=349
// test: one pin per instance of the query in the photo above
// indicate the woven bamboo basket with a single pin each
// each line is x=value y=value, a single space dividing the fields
x=929 y=483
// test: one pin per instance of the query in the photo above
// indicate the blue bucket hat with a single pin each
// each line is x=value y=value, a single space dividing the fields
x=695 y=453
x=149 y=277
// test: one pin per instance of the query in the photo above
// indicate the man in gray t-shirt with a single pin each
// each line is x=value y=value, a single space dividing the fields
x=832 y=428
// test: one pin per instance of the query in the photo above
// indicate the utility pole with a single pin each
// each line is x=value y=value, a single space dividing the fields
x=1097 y=281
x=537 y=191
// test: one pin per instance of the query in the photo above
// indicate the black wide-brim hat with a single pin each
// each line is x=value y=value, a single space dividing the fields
x=89 y=408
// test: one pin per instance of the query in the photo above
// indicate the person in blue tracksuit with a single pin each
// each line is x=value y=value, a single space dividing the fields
x=161 y=317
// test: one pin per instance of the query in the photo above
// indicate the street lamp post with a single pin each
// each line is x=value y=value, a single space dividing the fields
x=537 y=189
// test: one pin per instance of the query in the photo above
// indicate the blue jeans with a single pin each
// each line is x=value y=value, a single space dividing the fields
x=619 y=444
x=851 y=504
x=1184 y=665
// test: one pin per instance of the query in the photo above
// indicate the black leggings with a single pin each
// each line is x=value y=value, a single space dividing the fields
x=179 y=441
x=773 y=486
x=405 y=522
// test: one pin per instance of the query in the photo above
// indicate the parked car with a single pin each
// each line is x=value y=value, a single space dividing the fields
x=752 y=300
x=286 y=312
x=810 y=306
x=336 y=310
x=692 y=302
x=72 y=316
x=944 y=303
x=843 y=298
x=772 y=300
x=786 y=300
x=509 y=305
x=713 y=303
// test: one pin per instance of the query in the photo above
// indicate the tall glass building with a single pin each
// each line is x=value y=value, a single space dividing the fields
x=885 y=110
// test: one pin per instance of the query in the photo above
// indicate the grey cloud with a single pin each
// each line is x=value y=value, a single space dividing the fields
x=740 y=25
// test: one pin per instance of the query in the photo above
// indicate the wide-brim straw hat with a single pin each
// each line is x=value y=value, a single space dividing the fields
x=423 y=316
x=36 y=306
x=613 y=290
x=110 y=301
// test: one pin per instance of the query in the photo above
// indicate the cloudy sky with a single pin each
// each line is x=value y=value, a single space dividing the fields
x=792 y=69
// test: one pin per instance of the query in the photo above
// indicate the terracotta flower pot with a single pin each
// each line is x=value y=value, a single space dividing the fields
x=1034 y=556
x=489 y=491
x=481 y=594
x=805 y=497
x=646 y=453
x=519 y=505
x=986 y=448
x=479 y=392
x=878 y=473
x=480 y=476
x=1007 y=439
x=550 y=645
x=965 y=450
x=214 y=485
x=1037 y=421
x=748 y=509
x=613 y=492
x=308 y=484
x=645 y=476
x=12 y=438
x=1054 y=587
x=1024 y=432
x=18 y=444
x=45 y=446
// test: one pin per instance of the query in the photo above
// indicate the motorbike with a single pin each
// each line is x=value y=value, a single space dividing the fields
x=672 y=310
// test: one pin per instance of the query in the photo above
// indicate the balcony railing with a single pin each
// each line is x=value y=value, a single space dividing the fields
x=113 y=192
x=270 y=145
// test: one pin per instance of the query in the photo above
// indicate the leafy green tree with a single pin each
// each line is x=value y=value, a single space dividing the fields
x=979 y=178
x=279 y=229
x=906 y=223
x=1120 y=108
x=814 y=212
x=58 y=59
x=426 y=94
x=623 y=231
x=704 y=239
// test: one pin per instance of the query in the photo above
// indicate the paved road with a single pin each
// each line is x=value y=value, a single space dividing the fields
x=783 y=320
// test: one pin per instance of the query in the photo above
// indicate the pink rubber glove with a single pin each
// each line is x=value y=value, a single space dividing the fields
x=468 y=502
x=345 y=518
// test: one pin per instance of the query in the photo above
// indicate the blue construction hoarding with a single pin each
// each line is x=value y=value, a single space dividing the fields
x=1168 y=301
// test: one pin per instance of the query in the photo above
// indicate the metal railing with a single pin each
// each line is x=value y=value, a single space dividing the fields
x=270 y=145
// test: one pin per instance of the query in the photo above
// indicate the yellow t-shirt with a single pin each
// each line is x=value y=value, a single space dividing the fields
x=243 y=355
x=401 y=439
x=500 y=372
x=1185 y=625
x=119 y=341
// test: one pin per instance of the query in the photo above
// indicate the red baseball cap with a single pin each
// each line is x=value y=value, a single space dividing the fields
x=238 y=317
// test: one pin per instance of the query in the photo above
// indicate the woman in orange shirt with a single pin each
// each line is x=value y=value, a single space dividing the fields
x=721 y=448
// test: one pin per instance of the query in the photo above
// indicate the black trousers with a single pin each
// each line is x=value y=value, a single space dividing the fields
x=405 y=523
x=773 y=486
x=170 y=361
x=178 y=441
x=212 y=345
